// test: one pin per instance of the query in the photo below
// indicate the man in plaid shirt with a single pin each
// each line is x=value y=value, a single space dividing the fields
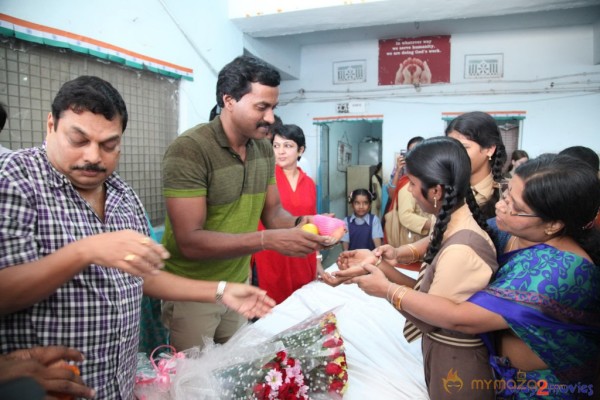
x=75 y=256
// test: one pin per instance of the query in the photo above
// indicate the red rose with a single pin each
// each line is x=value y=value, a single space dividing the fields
x=329 y=328
x=288 y=391
x=336 y=385
x=333 y=369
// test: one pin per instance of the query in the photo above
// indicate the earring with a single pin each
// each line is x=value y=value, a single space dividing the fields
x=489 y=158
x=435 y=202
x=547 y=232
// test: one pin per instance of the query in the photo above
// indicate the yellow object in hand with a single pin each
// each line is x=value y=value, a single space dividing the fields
x=311 y=228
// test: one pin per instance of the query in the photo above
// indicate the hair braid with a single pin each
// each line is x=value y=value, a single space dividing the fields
x=488 y=209
x=478 y=215
x=498 y=161
x=448 y=204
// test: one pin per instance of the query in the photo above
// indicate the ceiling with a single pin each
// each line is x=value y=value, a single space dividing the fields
x=367 y=19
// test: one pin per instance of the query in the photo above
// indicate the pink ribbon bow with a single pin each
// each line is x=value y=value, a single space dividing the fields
x=165 y=367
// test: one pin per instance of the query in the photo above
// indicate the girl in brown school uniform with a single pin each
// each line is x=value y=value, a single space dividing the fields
x=460 y=260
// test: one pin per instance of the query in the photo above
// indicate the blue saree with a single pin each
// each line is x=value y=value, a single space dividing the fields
x=551 y=301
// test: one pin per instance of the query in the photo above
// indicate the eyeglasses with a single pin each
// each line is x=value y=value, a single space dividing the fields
x=504 y=190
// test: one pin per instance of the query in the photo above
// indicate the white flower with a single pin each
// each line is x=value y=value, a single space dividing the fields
x=274 y=379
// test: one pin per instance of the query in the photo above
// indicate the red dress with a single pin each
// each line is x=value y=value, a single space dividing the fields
x=281 y=275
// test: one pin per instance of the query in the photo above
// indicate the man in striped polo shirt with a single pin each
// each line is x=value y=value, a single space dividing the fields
x=218 y=183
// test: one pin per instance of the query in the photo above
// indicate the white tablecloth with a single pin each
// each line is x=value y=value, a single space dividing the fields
x=381 y=364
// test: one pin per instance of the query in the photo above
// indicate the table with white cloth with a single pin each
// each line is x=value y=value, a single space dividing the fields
x=381 y=364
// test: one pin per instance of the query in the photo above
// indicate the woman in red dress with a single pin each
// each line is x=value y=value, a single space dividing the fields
x=280 y=275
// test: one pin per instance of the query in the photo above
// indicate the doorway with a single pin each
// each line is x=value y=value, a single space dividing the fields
x=344 y=143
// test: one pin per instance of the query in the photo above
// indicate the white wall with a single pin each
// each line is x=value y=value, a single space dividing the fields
x=548 y=73
x=597 y=43
x=146 y=27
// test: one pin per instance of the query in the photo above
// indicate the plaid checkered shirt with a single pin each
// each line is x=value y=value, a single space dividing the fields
x=98 y=310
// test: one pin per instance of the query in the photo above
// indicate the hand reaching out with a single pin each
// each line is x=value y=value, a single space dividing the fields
x=372 y=280
x=351 y=258
x=295 y=242
x=350 y=264
x=342 y=276
x=247 y=300
x=332 y=280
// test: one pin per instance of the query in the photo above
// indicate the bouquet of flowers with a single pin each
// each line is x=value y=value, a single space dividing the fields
x=318 y=345
x=302 y=362
x=284 y=379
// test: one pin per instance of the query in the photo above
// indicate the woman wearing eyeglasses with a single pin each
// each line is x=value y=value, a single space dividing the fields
x=543 y=306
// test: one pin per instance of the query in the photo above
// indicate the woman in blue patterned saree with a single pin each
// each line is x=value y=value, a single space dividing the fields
x=543 y=307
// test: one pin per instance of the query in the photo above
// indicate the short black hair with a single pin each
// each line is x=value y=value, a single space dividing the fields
x=560 y=187
x=290 y=132
x=89 y=93
x=235 y=78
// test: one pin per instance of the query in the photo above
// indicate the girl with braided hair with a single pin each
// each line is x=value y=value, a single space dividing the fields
x=539 y=317
x=479 y=133
x=460 y=260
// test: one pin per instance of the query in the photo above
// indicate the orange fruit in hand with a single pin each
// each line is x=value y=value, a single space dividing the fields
x=311 y=228
x=75 y=370
x=72 y=368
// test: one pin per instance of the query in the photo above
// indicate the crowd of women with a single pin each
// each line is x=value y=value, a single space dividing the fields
x=508 y=294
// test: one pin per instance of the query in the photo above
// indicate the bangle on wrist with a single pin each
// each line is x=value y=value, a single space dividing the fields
x=398 y=302
x=262 y=240
x=394 y=294
x=415 y=253
x=220 y=292
x=319 y=256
